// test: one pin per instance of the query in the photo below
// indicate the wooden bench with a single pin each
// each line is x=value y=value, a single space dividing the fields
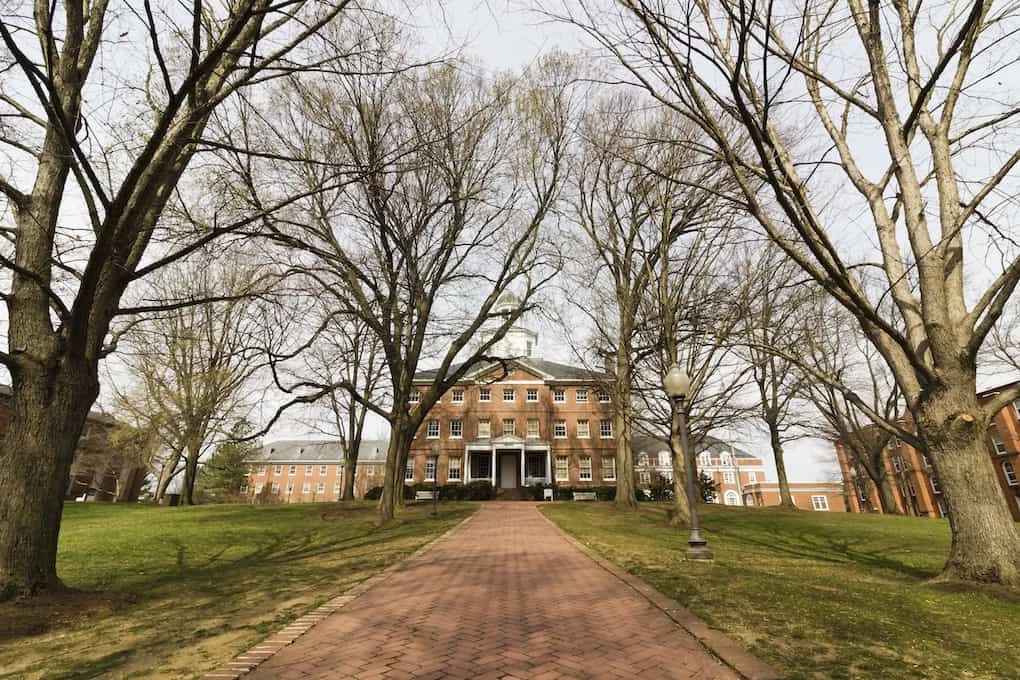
x=585 y=496
x=423 y=495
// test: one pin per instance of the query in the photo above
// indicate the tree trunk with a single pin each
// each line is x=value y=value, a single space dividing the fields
x=886 y=495
x=393 y=481
x=986 y=543
x=626 y=497
x=49 y=409
x=166 y=475
x=350 y=470
x=190 y=475
x=785 y=497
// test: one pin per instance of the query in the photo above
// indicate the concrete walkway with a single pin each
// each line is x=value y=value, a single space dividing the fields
x=506 y=597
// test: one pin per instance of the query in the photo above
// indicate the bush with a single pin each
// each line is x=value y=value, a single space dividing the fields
x=566 y=493
x=373 y=494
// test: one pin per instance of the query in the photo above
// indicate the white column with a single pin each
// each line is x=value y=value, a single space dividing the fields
x=493 y=467
x=465 y=473
x=522 y=465
x=548 y=466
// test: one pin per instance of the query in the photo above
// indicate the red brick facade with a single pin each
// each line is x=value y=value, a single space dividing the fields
x=914 y=485
x=529 y=426
x=817 y=496
x=312 y=471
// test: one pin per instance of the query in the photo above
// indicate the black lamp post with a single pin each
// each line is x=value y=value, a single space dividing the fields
x=677 y=386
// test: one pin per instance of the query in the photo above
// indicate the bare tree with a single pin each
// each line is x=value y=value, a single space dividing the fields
x=772 y=300
x=898 y=86
x=83 y=209
x=455 y=176
x=191 y=367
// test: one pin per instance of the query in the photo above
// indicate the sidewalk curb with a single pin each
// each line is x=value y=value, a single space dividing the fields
x=728 y=651
x=247 y=661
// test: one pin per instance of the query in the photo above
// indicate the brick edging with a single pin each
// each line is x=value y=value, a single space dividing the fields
x=248 y=661
x=731 y=653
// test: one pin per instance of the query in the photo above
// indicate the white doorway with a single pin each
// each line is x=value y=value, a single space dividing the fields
x=508 y=471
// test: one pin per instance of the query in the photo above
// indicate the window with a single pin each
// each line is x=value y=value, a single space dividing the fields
x=532 y=394
x=458 y=396
x=481 y=467
x=262 y=470
x=731 y=497
x=663 y=458
x=585 y=475
x=581 y=395
x=308 y=469
x=509 y=427
x=336 y=487
x=535 y=465
x=910 y=488
x=258 y=488
x=433 y=430
x=306 y=487
x=321 y=487
x=560 y=429
x=559 y=396
x=409 y=471
x=276 y=487
x=752 y=477
x=484 y=429
x=934 y=485
x=414 y=397
x=583 y=432
x=728 y=477
x=322 y=470
x=528 y=351
x=645 y=477
x=532 y=428
x=430 y=469
x=1007 y=469
x=508 y=394
x=278 y=469
x=603 y=397
x=562 y=469
x=608 y=469
x=484 y=394
x=244 y=488
x=606 y=429
x=643 y=459
x=925 y=461
x=292 y=471
x=997 y=443
x=897 y=463
x=819 y=502
x=456 y=428
x=453 y=473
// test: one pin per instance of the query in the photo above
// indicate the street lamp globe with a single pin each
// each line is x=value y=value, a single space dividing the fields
x=676 y=383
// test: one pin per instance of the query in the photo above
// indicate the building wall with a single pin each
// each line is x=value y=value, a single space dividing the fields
x=545 y=410
x=916 y=490
x=291 y=479
x=805 y=495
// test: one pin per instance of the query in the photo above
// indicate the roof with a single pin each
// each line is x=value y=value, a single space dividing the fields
x=320 y=451
x=648 y=444
x=550 y=370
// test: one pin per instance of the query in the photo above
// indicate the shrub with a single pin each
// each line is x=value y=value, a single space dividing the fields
x=373 y=494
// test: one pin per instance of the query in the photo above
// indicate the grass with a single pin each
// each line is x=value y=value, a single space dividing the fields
x=174 y=592
x=819 y=595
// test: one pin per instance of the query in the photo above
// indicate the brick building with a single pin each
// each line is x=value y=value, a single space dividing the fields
x=306 y=471
x=536 y=422
x=817 y=496
x=99 y=472
x=915 y=487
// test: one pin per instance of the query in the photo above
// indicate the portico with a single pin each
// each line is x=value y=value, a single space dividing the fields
x=509 y=462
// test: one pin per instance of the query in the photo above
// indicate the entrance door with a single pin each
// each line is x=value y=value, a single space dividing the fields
x=508 y=471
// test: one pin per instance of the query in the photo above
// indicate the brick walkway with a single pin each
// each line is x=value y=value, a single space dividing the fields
x=506 y=597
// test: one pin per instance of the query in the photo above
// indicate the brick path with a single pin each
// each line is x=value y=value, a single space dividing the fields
x=506 y=597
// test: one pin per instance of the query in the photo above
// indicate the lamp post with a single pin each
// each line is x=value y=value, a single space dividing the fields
x=677 y=386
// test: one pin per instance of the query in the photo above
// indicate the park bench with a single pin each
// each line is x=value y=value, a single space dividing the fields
x=423 y=495
x=585 y=496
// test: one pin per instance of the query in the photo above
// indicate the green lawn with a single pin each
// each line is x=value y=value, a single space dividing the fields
x=819 y=595
x=173 y=592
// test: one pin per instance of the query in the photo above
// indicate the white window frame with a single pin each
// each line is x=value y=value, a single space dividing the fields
x=934 y=485
x=306 y=487
x=562 y=473
x=512 y=393
x=998 y=444
x=580 y=395
x=559 y=429
x=277 y=469
x=820 y=503
x=533 y=433
x=606 y=425
x=752 y=477
x=584 y=469
x=457 y=395
x=433 y=463
x=609 y=468
x=336 y=486
x=409 y=470
x=604 y=397
x=645 y=477
x=559 y=395
x=485 y=394
x=453 y=470
x=513 y=427
x=321 y=487
x=487 y=434
x=731 y=495
x=897 y=463
x=1010 y=473
x=531 y=396
x=414 y=397
x=432 y=429
x=292 y=470
x=586 y=433
x=258 y=488
x=275 y=488
x=729 y=477
x=323 y=471
x=456 y=428
x=309 y=469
